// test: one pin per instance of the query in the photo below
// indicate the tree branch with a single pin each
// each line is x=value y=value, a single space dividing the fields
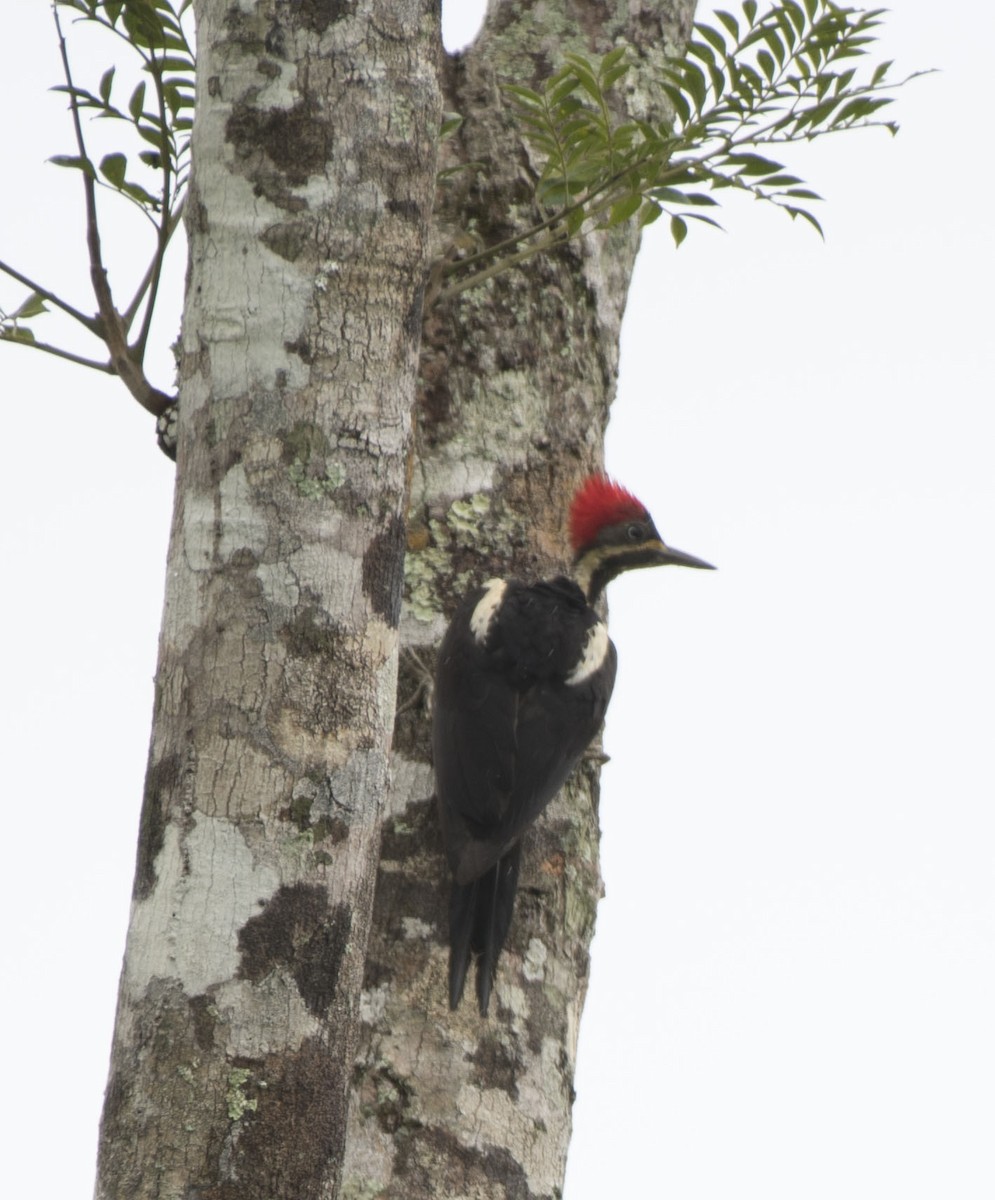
x=163 y=230
x=154 y=269
x=111 y=327
x=60 y=353
x=92 y=324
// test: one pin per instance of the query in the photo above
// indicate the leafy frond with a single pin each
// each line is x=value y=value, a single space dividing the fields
x=748 y=85
x=159 y=109
x=149 y=167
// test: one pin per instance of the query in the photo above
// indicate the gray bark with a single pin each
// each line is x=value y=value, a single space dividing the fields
x=247 y=1060
x=516 y=382
x=314 y=168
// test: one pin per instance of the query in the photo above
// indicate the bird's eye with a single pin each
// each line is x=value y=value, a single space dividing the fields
x=634 y=533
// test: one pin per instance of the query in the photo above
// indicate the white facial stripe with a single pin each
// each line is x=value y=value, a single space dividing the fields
x=595 y=651
x=487 y=606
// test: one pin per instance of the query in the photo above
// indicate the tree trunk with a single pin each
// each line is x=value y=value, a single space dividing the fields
x=241 y=1022
x=516 y=382
x=314 y=171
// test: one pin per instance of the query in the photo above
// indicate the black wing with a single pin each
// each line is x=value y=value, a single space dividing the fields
x=508 y=727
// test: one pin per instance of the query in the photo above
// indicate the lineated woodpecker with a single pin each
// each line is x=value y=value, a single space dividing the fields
x=524 y=676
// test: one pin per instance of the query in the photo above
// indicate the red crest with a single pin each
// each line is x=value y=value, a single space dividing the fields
x=599 y=502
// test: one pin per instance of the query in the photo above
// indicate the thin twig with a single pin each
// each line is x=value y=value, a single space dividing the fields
x=559 y=237
x=90 y=323
x=111 y=327
x=502 y=264
x=98 y=274
x=163 y=230
x=105 y=367
x=128 y=316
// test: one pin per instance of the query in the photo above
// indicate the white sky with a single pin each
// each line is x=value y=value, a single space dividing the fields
x=793 y=982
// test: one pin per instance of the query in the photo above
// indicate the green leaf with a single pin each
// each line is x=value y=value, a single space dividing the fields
x=752 y=164
x=678 y=230
x=451 y=121
x=17 y=333
x=74 y=162
x=879 y=72
x=729 y=21
x=106 y=83
x=137 y=101
x=177 y=63
x=786 y=28
x=614 y=57
x=750 y=10
x=563 y=89
x=703 y=51
x=818 y=113
x=78 y=94
x=649 y=213
x=154 y=136
x=796 y=15
x=575 y=218
x=718 y=78
x=843 y=81
x=144 y=198
x=624 y=209
x=113 y=168
x=524 y=95
x=713 y=37
x=807 y=216
x=766 y=62
x=34 y=306
x=775 y=45
x=704 y=220
x=669 y=195
x=678 y=100
x=695 y=84
x=860 y=109
x=584 y=73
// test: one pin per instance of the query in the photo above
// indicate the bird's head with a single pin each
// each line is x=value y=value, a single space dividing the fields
x=612 y=532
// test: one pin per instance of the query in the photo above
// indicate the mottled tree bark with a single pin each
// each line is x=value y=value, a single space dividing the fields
x=247 y=1060
x=516 y=382
x=314 y=170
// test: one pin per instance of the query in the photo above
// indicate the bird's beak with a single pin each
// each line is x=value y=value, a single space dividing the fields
x=667 y=555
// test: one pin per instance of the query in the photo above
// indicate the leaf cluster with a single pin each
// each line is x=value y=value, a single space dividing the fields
x=158 y=113
x=159 y=109
x=758 y=81
x=12 y=325
x=570 y=124
x=747 y=85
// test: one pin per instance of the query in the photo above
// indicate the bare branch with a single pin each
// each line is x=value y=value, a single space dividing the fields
x=129 y=314
x=164 y=229
x=58 y=352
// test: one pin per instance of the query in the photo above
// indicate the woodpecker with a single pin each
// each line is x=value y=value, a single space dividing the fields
x=524 y=676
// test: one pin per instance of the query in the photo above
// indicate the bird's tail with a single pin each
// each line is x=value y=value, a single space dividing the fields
x=479 y=916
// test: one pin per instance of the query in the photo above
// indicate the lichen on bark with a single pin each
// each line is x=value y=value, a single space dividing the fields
x=516 y=381
x=309 y=236
x=263 y=1046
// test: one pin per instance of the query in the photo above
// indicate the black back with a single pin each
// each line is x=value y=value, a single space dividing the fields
x=507 y=731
